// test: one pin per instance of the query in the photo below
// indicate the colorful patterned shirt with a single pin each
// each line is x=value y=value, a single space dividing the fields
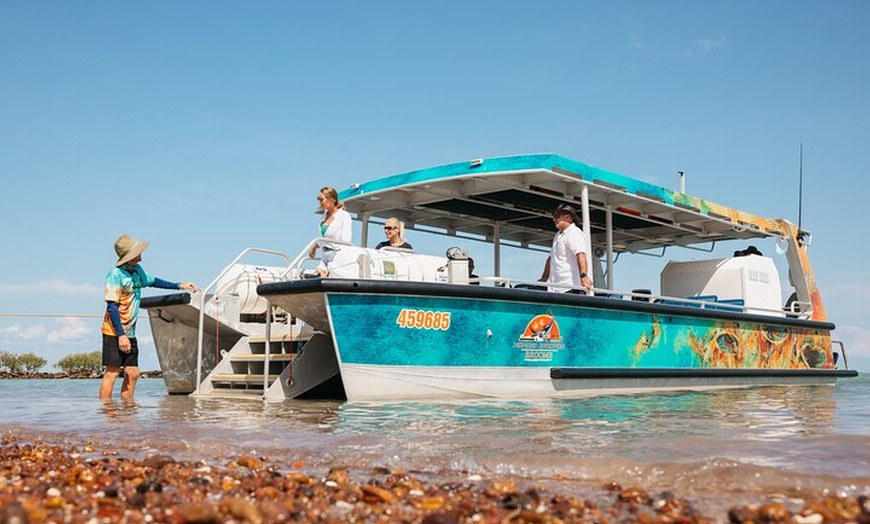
x=124 y=285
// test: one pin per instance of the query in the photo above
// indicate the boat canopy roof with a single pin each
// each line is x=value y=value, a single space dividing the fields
x=511 y=200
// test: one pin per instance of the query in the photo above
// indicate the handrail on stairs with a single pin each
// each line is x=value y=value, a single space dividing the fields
x=286 y=273
x=204 y=293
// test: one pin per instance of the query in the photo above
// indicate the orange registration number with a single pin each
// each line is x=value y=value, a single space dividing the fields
x=418 y=319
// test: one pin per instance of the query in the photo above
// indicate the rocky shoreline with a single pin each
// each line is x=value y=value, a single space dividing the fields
x=48 y=481
x=50 y=375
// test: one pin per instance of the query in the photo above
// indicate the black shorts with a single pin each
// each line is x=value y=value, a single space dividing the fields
x=113 y=356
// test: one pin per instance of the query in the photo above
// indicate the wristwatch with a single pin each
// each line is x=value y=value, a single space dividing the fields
x=583 y=275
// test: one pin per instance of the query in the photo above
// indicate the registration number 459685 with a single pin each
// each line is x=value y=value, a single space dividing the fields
x=418 y=319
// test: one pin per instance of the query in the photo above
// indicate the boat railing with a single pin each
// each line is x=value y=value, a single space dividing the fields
x=294 y=270
x=710 y=302
x=204 y=297
x=799 y=309
x=842 y=352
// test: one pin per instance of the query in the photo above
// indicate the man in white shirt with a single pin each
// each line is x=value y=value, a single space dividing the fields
x=567 y=261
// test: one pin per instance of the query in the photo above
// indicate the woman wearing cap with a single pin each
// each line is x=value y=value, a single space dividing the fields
x=395 y=232
x=124 y=285
x=336 y=225
x=566 y=264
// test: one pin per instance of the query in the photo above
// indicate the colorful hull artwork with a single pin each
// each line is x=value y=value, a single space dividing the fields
x=395 y=330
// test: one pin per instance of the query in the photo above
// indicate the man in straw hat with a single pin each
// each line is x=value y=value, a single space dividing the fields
x=123 y=294
x=567 y=261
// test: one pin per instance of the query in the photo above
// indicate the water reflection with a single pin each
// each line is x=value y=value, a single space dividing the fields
x=757 y=413
x=684 y=426
x=249 y=414
x=119 y=411
x=806 y=429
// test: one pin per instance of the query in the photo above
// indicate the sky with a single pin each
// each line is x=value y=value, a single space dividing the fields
x=207 y=127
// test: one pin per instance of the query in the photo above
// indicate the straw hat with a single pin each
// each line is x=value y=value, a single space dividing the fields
x=128 y=249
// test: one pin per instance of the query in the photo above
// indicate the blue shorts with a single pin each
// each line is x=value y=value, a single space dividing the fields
x=113 y=356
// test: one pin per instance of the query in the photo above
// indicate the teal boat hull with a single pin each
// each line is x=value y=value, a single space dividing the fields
x=401 y=340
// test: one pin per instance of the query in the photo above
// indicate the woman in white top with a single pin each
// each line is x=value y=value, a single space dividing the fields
x=336 y=225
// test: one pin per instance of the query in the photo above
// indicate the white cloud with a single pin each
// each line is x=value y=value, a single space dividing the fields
x=55 y=287
x=70 y=330
x=60 y=331
x=636 y=42
x=19 y=332
x=856 y=339
x=52 y=338
x=705 y=45
x=708 y=44
x=855 y=290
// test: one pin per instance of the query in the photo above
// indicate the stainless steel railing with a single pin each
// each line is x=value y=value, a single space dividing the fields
x=204 y=295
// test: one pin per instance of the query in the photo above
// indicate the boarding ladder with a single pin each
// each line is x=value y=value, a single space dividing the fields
x=249 y=368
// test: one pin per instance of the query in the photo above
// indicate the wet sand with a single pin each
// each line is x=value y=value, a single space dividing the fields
x=45 y=479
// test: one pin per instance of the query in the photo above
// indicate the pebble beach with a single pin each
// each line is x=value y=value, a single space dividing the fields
x=760 y=455
x=47 y=481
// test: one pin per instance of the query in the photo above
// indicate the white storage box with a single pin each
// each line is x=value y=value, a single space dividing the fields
x=753 y=279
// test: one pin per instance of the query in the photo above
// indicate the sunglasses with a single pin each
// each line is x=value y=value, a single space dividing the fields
x=390 y=228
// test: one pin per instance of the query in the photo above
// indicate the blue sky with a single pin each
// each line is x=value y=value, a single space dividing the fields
x=207 y=127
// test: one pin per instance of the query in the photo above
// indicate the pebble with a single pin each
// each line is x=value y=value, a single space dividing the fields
x=158 y=488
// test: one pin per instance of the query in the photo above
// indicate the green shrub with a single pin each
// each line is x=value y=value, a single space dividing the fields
x=9 y=362
x=81 y=363
x=30 y=363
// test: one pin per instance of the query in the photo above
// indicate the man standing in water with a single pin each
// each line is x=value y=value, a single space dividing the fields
x=123 y=294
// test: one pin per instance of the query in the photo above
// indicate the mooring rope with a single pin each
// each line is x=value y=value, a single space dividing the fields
x=52 y=315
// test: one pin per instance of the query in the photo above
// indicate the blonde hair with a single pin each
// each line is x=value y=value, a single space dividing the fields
x=332 y=194
x=393 y=221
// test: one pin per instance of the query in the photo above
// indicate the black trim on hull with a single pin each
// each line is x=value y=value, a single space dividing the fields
x=174 y=299
x=632 y=373
x=394 y=287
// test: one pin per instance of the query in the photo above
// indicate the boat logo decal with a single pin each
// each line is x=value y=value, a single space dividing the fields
x=418 y=319
x=540 y=339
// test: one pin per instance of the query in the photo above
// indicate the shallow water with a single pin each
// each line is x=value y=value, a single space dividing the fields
x=737 y=441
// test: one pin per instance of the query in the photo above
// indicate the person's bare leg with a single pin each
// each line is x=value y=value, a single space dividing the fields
x=128 y=388
x=108 y=384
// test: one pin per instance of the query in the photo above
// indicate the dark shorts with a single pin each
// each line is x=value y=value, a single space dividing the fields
x=113 y=356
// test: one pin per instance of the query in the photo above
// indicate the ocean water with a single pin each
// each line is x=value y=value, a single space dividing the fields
x=715 y=446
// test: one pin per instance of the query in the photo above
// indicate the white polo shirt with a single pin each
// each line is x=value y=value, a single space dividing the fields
x=563 y=257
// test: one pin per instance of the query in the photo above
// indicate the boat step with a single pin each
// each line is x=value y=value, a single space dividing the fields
x=247 y=394
x=260 y=357
x=241 y=378
x=287 y=337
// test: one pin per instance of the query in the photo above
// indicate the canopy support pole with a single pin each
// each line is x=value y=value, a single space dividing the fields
x=496 y=246
x=364 y=218
x=587 y=225
x=608 y=220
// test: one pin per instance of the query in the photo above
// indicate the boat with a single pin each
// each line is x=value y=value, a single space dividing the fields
x=397 y=325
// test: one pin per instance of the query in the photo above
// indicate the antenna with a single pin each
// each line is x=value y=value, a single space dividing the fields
x=802 y=236
x=801 y=186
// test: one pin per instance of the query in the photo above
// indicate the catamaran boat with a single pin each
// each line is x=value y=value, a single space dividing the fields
x=394 y=325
